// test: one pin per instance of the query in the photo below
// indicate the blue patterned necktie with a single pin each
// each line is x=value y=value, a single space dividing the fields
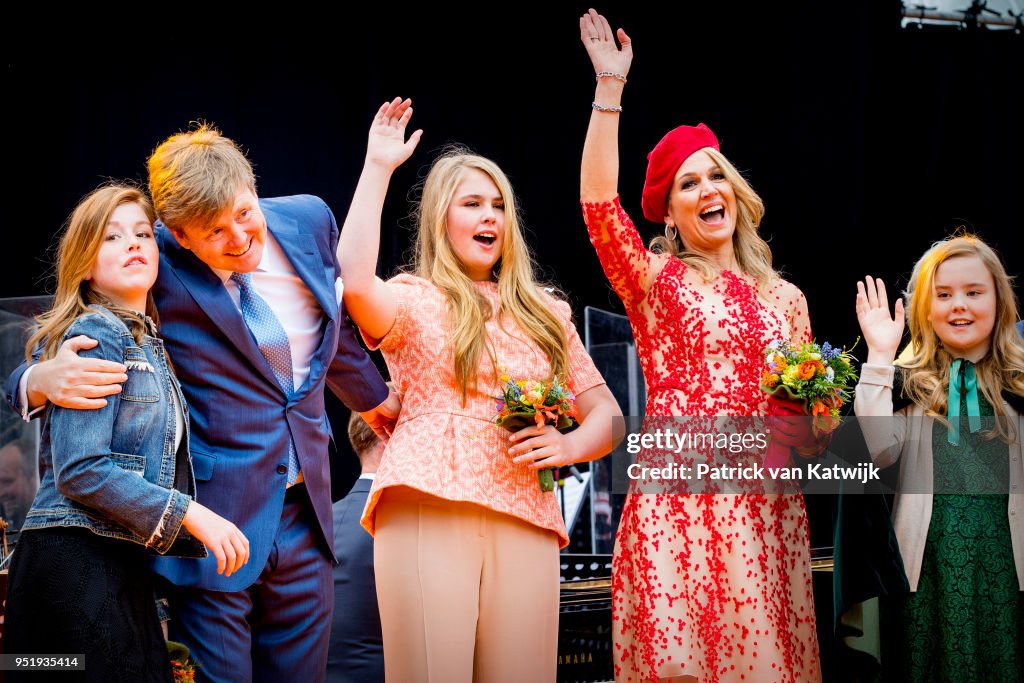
x=273 y=342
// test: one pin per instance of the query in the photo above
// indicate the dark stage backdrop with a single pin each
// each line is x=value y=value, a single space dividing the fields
x=866 y=142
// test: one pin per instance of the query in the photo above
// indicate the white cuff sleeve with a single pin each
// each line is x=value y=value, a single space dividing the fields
x=26 y=415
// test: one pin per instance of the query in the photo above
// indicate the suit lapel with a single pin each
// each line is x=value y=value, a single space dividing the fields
x=209 y=293
x=301 y=251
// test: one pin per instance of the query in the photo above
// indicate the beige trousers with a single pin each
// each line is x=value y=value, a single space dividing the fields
x=465 y=593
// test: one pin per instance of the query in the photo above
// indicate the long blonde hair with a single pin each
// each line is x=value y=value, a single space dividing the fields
x=76 y=255
x=752 y=253
x=926 y=370
x=468 y=310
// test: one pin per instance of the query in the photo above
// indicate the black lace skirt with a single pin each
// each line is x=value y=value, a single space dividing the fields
x=74 y=592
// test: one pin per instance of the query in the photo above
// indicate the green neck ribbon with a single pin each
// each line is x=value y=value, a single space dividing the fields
x=962 y=380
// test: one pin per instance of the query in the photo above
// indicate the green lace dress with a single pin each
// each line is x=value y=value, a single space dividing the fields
x=966 y=620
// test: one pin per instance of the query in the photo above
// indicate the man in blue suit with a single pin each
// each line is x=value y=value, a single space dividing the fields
x=249 y=301
x=357 y=647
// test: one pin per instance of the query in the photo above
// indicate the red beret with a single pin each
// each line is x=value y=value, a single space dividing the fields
x=665 y=159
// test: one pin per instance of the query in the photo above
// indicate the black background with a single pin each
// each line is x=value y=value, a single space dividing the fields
x=867 y=142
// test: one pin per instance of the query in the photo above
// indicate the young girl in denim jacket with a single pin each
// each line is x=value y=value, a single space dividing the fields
x=958 y=515
x=116 y=483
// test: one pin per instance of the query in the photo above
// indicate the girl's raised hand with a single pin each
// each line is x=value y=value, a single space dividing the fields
x=882 y=331
x=387 y=146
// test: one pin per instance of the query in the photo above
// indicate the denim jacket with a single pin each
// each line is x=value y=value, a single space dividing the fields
x=115 y=471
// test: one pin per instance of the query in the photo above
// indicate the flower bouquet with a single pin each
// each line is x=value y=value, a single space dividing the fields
x=183 y=667
x=820 y=377
x=528 y=402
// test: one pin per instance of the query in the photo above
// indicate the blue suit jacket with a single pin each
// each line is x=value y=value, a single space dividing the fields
x=356 y=653
x=240 y=416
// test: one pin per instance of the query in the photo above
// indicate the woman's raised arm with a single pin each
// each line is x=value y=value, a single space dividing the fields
x=369 y=300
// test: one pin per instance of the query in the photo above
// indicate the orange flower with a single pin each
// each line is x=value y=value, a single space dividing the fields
x=809 y=368
x=819 y=409
x=769 y=379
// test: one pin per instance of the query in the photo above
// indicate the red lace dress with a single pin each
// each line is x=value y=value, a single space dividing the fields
x=713 y=586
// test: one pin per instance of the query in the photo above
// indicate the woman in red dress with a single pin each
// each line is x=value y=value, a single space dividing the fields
x=711 y=586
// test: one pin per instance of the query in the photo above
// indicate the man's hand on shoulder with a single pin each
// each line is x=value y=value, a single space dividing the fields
x=71 y=381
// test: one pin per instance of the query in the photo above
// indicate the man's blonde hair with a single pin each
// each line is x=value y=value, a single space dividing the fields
x=361 y=435
x=195 y=175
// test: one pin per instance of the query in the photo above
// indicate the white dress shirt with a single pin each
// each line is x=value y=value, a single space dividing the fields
x=290 y=299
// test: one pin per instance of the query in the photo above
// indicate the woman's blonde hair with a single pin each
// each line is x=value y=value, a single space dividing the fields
x=76 y=256
x=926 y=370
x=752 y=253
x=519 y=294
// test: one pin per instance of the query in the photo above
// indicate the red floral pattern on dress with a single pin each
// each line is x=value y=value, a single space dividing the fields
x=715 y=586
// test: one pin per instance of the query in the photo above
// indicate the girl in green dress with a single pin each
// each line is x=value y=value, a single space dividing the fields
x=959 y=512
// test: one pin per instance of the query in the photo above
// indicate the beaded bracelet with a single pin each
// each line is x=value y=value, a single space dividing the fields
x=601 y=107
x=611 y=74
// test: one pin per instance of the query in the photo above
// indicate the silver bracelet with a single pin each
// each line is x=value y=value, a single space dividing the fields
x=611 y=74
x=601 y=107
